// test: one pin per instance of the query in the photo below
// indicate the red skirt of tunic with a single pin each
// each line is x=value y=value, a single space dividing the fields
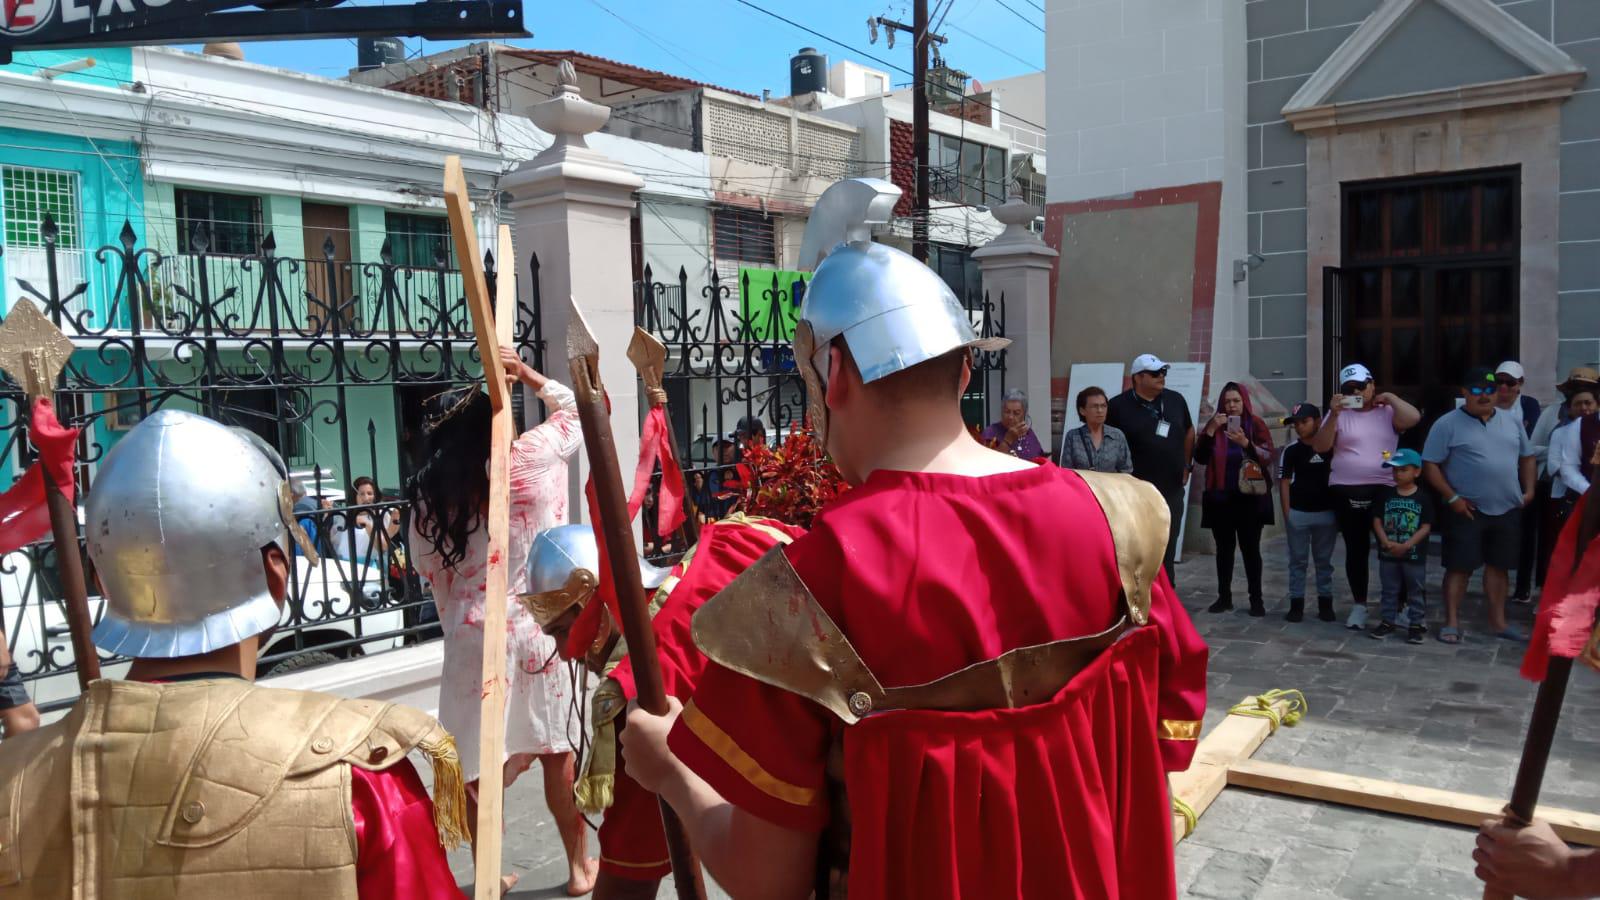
x=1064 y=799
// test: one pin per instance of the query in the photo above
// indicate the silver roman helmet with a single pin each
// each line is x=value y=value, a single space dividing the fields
x=893 y=311
x=175 y=524
x=563 y=571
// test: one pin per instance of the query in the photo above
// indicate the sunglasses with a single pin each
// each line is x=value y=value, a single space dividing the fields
x=1157 y=373
x=1481 y=390
x=1354 y=387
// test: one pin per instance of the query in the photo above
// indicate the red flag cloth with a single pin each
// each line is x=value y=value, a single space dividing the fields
x=398 y=856
x=1568 y=605
x=655 y=444
x=24 y=516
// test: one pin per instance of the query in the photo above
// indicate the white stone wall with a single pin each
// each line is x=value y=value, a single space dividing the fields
x=1135 y=93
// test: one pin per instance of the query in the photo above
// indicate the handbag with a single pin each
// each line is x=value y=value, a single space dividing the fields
x=1253 y=480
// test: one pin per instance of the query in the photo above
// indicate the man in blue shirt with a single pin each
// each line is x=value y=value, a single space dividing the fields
x=1480 y=460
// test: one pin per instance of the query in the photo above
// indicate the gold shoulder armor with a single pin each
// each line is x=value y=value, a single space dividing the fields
x=1140 y=525
x=267 y=735
x=766 y=624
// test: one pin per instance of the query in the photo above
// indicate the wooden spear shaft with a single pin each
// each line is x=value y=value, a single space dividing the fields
x=491 y=711
x=616 y=530
x=69 y=564
x=1546 y=710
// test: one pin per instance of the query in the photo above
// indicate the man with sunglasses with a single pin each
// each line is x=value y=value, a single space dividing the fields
x=1160 y=436
x=1481 y=462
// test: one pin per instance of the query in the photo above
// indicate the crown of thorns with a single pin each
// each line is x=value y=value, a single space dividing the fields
x=468 y=392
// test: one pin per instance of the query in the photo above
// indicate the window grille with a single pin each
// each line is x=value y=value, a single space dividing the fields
x=414 y=239
x=233 y=221
x=30 y=194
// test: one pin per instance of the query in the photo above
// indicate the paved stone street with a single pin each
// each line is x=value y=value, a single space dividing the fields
x=1445 y=717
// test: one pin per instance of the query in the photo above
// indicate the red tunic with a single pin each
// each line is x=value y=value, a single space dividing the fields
x=398 y=856
x=632 y=844
x=927 y=574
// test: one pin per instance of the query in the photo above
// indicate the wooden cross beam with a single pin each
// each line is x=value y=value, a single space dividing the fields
x=490 y=334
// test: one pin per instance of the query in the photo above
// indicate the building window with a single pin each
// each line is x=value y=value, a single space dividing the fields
x=959 y=270
x=418 y=240
x=966 y=171
x=745 y=235
x=30 y=195
x=233 y=222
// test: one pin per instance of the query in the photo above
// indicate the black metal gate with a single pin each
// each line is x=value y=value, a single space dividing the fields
x=315 y=356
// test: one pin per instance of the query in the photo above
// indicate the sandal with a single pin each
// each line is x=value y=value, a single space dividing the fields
x=1511 y=634
x=1448 y=635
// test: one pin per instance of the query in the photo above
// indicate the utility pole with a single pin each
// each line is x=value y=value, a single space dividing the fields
x=919 y=127
x=921 y=40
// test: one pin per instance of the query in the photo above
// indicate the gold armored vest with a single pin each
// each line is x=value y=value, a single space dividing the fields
x=202 y=789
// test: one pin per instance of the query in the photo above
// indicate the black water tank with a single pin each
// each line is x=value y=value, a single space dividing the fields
x=808 y=72
x=375 y=53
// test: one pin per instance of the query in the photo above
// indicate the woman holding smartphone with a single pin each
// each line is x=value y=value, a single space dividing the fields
x=1361 y=430
x=1236 y=450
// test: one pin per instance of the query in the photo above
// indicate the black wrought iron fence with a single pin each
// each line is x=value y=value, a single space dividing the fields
x=730 y=368
x=327 y=360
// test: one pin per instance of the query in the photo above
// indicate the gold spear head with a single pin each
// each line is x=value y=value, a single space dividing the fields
x=33 y=349
x=649 y=356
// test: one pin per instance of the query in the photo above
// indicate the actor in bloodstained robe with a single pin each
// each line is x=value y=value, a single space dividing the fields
x=966 y=778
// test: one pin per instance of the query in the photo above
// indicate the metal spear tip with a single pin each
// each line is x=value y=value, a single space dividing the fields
x=580 y=339
x=32 y=349
x=646 y=351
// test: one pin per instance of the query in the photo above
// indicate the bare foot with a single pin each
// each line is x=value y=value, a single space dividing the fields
x=507 y=882
x=582 y=880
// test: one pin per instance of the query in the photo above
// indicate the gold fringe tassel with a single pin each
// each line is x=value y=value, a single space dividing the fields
x=449 y=790
x=595 y=789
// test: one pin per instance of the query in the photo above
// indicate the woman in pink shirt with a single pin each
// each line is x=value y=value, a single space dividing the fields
x=1360 y=431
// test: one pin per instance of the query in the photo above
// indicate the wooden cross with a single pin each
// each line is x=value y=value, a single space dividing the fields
x=490 y=333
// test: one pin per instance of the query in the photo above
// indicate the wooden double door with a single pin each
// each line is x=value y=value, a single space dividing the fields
x=1430 y=284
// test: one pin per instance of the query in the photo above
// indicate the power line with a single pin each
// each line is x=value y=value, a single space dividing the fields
x=1011 y=9
x=1035 y=5
x=997 y=47
x=879 y=60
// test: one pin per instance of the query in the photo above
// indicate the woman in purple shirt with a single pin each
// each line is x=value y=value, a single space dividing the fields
x=1361 y=430
x=1013 y=434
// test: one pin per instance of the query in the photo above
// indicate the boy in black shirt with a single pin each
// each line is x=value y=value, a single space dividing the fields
x=1307 y=514
x=1403 y=518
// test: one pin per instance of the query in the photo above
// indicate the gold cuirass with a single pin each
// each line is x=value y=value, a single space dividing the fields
x=200 y=789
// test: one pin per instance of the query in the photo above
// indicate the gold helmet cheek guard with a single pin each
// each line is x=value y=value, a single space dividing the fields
x=805 y=349
x=547 y=606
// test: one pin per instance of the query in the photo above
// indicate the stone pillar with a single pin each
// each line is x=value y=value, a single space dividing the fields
x=1017 y=264
x=572 y=207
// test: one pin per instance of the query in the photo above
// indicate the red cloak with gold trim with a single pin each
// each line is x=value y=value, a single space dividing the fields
x=925 y=575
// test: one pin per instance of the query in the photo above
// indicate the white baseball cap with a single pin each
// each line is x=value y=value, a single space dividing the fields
x=1513 y=368
x=1147 y=362
x=1354 y=372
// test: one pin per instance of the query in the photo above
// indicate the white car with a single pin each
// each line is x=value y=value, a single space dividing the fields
x=320 y=623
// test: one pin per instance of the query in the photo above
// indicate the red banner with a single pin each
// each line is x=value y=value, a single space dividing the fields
x=655 y=444
x=24 y=516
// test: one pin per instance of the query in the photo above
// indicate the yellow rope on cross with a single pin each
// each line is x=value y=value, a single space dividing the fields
x=1190 y=817
x=1264 y=707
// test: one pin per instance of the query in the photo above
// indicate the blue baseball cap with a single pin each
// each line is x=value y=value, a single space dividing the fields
x=1403 y=458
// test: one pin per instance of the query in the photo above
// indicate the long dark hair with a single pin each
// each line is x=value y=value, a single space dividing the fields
x=451 y=487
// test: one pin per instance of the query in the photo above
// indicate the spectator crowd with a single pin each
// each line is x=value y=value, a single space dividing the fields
x=1490 y=482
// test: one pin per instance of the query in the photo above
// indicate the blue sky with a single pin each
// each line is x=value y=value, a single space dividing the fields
x=727 y=44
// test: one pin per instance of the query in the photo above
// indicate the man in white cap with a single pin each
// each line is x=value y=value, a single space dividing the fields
x=1508 y=378
x=1160 y=435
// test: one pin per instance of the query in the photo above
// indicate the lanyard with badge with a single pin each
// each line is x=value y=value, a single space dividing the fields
x=1158 y=408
